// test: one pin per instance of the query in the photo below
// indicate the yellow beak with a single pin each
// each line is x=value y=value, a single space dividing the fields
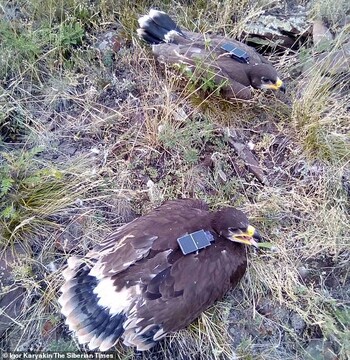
x=278 y=85
x=247 y=237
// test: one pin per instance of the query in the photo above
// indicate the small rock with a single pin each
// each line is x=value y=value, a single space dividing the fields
x=161 y=128
x=335 y=62
x=264 y=307
x=11 y=301
x=70 y=237
x=109 y=42
x=251 y=145
x=11 y=12
x=297 y=323
x=244 y=153
x=180 y=114
x=47 y=328
x=79 y=202
x=319 y=349
x=52 y=267
x=303 y=272
x=153 y=191
x=95 y=150
x=272 y=310
x=70 y=150
x=320 y=34
x=222 y=175
x=208 y=161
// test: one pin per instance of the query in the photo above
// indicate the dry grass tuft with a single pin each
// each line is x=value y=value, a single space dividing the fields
x=321 y=117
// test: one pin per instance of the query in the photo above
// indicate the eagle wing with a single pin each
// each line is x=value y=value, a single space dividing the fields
x=135 y=240
x=183 y=289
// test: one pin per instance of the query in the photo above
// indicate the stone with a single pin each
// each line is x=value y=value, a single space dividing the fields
x=11 y=300
x=110 y=41
x=244 y=153
x=68 y=240
x=321 y=35
x=297 y=323
x=319 y=349
x=278 y=28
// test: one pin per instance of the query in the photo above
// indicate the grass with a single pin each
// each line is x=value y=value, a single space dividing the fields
x=320 y=113
x=31 y=192
x=88 y=140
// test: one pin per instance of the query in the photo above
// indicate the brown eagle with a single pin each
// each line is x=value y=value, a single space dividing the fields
x=156 y=274
x=230 y=64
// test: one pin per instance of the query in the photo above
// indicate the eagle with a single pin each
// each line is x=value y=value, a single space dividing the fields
x=235 y=68
x=156 y=274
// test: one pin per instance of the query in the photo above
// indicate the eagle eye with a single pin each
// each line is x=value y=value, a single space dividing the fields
x=265 y=80
x=241 y=228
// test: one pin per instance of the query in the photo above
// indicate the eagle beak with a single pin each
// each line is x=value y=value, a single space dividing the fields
x=278 y=85
x=248 y=237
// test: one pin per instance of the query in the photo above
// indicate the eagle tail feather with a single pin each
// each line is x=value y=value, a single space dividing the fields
x=91 y=322
x=158 y=27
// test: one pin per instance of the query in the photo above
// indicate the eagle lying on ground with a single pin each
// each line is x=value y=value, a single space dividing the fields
x=233 y=66
x=156 y=274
